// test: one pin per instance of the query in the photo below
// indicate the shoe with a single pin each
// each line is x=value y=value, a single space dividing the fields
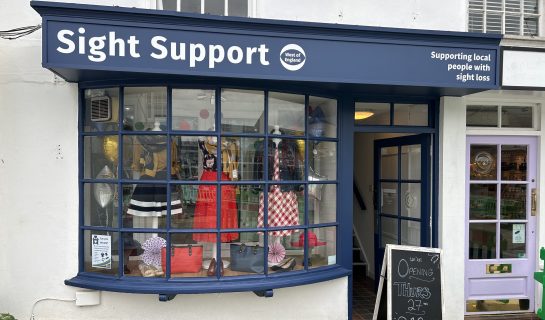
x=285 y=265
x=212 y=268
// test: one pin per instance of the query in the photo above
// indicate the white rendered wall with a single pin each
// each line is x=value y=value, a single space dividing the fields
x=39 y=206
x=448 y=15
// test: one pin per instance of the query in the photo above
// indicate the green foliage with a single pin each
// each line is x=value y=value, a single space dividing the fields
x=6 y=316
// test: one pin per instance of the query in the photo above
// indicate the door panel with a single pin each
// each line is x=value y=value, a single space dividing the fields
x=500 y=228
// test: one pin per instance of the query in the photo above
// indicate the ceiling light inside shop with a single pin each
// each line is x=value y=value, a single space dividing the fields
x=360 y=115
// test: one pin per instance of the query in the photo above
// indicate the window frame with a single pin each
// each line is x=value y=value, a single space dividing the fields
x=536 y=110
x=257 y=283
x=503 y=12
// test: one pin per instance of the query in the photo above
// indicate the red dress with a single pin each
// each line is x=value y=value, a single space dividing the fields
x=205 y=207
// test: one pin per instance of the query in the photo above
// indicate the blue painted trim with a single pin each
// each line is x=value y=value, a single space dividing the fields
x=81 y=218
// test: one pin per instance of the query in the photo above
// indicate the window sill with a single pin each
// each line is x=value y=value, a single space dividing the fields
x=236 y=284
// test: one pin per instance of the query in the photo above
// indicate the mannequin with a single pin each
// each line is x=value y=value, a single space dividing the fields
x=205 y=207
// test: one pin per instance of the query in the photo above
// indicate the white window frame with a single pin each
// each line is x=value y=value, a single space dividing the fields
x=503 y=13
x=251 y=7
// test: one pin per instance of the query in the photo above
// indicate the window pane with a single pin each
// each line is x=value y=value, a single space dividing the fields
x=411 y=114
x=531 y=6
x=494 y=5
x=411 y=199
x=286 y=253
x=512 y=5
x=242 y=111
x=285 y=206
x=372 y=113
x=169 y=5
x=101 y=157
x=322 y=160
x=193 y=6
x=193 y=109
x=290 y=162
x=475 y=4
x=101 y=252
x=322 y=203
x=482 y=116
x=248 y=205
x=388 y=231
x=516 y=117
x=148 y=248
x=411 y=161
x=482 y=162
x=242 y=158
x=513 y=201
x=100 y=204
x=145 y=206
x=388 y=194
x=101 y=109
x=482 y=241
x=531 y=26
x=322 y=117
x=216 y=7
x=145 y=109
x=476 y=21
x=482 y=201
x=513 y=162
x=493 y=23
x=322 y=246
x=388 y=163
x=512 y=24
x=513 y=240
x=287 y=111
x=189 y=258
x=238 y=8
x=245 y=257
x=146 y=157
x=410 y=233
x=229 y=208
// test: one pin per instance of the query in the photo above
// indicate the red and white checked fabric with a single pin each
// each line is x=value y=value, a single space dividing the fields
x=283 y=206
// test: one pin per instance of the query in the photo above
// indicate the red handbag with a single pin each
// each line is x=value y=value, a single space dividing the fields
x=183 y=258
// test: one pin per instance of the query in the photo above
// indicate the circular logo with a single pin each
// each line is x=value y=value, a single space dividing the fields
x=484 y=162
x=292 y=57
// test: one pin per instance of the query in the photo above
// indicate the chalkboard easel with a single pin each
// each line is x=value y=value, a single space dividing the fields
x=413 y=285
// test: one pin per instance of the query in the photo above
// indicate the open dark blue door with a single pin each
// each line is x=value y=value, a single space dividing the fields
x=402 y=193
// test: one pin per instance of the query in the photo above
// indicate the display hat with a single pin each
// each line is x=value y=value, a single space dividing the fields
x=312 y=240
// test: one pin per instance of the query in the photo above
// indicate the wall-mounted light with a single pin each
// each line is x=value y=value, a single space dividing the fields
x=360 y=115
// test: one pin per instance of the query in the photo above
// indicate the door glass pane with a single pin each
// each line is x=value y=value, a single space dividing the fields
x=513 y=240
x=516 y=117
x=372 y=113
x=410 y=200
x=410 y=233
x=497 y=305
x=242 y=111
x=411 y=114
x=513 y=201
x=411 y=162
x=388 y=194
x=322 y=117
x=193 y=109
x=482 y=201
x=482 y=116
x=482 y=241
x=482 y=162
x=513 y=162
x=287 y=111
x=388 y=231
x=388 y=163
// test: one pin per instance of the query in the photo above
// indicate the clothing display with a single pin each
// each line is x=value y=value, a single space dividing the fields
x=150 y=200
x=205 y=207
x=283 y=208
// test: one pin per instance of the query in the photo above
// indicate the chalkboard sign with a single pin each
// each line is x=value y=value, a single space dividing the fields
x=413 y=283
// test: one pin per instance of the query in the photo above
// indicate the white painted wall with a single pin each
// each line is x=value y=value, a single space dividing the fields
x=415 y=14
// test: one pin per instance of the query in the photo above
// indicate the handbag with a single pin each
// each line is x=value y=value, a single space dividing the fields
x=246 y=258
x=183 y=258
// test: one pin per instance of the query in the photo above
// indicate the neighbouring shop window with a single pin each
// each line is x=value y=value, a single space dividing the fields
x=500 y=116
x=209 y=183
x=513 y=17
x=238 y=8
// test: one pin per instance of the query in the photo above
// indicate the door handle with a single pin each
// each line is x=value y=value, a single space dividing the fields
x=534 y=201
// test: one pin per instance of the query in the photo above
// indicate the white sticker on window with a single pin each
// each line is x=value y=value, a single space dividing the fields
x=519 y=233
x=101 y=251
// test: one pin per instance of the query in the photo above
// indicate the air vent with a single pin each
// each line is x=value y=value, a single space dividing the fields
x=101 y=109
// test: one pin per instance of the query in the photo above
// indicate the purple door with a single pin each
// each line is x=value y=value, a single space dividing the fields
x=500 y=229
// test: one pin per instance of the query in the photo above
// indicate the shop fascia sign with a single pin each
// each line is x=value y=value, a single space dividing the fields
x=100 y=48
